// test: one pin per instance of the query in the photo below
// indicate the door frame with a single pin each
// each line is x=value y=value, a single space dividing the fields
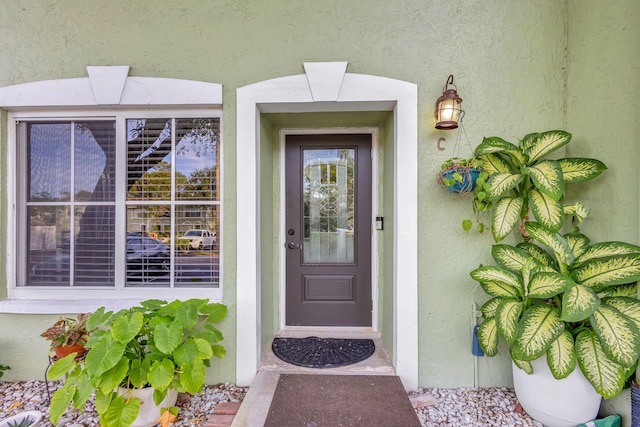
x=327 y=87
x=374 y=208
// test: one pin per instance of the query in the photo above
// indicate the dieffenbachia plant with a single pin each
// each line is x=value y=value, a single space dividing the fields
x=578 y=306
x=522 y=179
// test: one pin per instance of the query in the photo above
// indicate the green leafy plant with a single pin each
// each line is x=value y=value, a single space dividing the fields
x=568 y=300
x=521 y=179
x=459 y=175
x=67 y=332
x=157 y=344
x=3 y=368
x=24 y=422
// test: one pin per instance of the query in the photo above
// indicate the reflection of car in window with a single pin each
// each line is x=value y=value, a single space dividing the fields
x=199 y=239
x=145 y=256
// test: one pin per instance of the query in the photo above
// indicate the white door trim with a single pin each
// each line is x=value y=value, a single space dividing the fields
x=295 y=94
x=374 y=208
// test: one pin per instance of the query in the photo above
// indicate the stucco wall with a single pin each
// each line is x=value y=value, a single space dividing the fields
x=510 y=66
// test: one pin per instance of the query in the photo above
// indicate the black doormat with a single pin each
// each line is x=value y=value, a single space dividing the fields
x=341 y=400
x=314 y=352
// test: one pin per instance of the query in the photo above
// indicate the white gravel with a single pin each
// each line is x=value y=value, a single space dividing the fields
x=436 y=407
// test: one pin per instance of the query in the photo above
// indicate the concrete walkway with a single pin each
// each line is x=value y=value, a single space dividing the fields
x=255 y=406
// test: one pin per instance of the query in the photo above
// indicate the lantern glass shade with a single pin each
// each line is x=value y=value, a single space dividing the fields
x=448 y=110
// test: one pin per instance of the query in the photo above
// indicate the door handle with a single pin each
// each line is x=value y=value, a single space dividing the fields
x=292 y=245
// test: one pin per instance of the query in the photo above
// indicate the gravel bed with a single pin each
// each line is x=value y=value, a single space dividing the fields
x=436 y=407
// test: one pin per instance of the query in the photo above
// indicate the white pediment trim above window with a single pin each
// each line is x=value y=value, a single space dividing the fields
x=111 y=86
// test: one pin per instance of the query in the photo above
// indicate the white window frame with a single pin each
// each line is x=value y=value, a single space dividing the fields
x=106 y=94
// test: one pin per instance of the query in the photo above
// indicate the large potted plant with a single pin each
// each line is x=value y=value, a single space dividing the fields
x=165 y=346
x=68 y=335
x=555 y=296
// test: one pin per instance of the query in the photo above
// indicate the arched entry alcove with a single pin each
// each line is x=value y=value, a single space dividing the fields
x=326 y=87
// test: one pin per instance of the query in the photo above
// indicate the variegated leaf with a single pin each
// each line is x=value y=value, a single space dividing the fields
x=553 y=240
x=578 y=210
x=494 y=163
x=547 y=177
x=628 y=290
x=538 y=253
x=539 y=327
x=546 y=285
x=510 y=257
x=606 y=376
x=490 y=273
x=497 y=289
x=578 y=242
x=506 y=215
x=507 y=316
x=544 y=143
x=578 y=169
x=548 y=211
x=494 y=144
x=527 y=142
x=561 y=356
x=600 y=273
x=578 y=303
x=488 y=336
x=525 y=365
x=629 y=306
x=618 y=335
x=531 y=267
x=488 y=309
x=605 y=249
x=501 y=183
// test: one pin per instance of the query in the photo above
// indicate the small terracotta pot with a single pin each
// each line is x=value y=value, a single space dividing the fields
x=67 y=350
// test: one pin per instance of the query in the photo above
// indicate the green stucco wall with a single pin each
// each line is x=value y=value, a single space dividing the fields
x=519 y=67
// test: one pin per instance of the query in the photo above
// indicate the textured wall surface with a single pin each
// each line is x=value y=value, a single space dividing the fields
x=510 y=64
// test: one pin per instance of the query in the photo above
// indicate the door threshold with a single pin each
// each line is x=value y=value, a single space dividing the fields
x=327 y=332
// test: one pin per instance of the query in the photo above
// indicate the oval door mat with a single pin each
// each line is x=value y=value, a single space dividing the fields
x=314 y=352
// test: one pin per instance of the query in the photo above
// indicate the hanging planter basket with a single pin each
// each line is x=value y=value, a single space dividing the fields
x=459 y=178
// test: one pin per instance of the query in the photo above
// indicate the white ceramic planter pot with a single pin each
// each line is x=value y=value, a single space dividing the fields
x=555 y=403
x=149 y=412
x=36 y=417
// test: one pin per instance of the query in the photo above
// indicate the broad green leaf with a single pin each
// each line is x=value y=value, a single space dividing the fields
x=494 y=144
x=510 y=257
x=547 y=177
x=501 y=183
x=219 y=351
x=216 y=312
x=187 y=315
x=525 y=365
x=493 y=163
x=629 y=306
x=488 y=309
x=161 y=373
x=186 y=353
x=98 y=318
x=553 y=240
x=204 y=349
x=120 y=413
x=618 y=335
x=578 y=303
x=159 y=395
x=103 y=356
x=167 y=338
x=548 y=284
x=192 y=377
x=605 y=249
x=546 y=210
x=62 y=366
x=112 y=378
x=627 y=290
x=102 y=401
x=579 y=169
x=60 y=402
x=138 y=372
x=497 y=275
x=153 y=304
x=544 y=143
x=578 y=242
x=538 y=253
x=212 y=334
x=600 y=273
x=539 y=327
x=84 y=389
x=561 y=356
x=506 y=216
x=497 y=289
x=507 y=316
x=606 y=376
x=126 y=328
x=578 y=210
x=488 y=336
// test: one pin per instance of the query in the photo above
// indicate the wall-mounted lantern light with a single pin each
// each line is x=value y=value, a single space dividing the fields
x=448 y=108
